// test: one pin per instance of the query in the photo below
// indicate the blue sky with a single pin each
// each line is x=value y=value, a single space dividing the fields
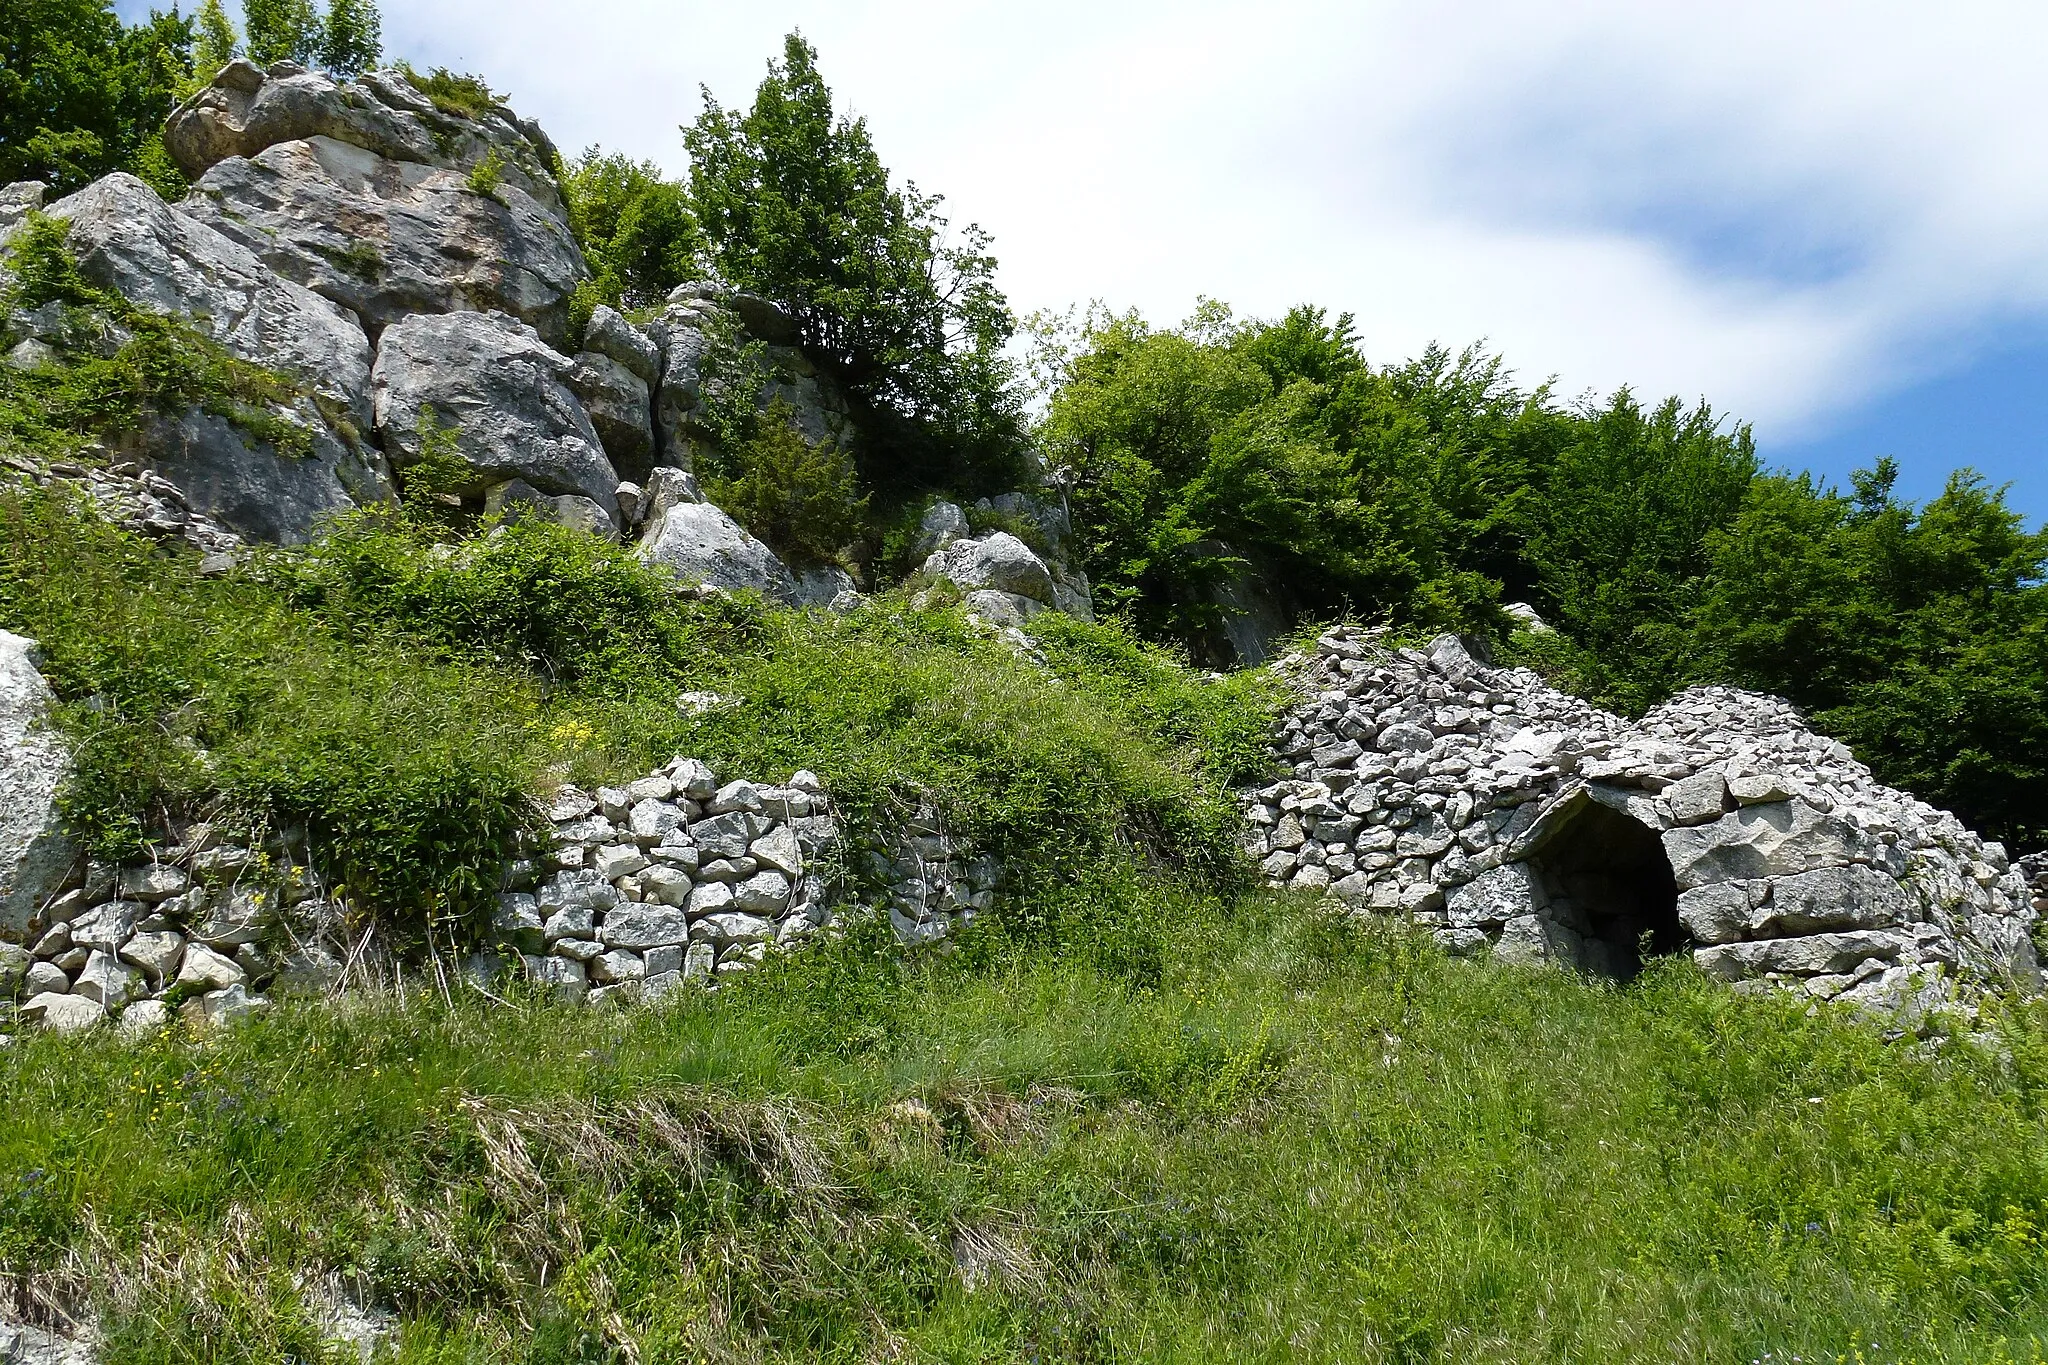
x=1827 y=218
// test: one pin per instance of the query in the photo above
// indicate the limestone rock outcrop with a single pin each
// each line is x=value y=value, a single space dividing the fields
x=1493 y=809
x=702 y=331
x=36 y=856
x=369 y=195
x=503 y=393
x=128 y=240
x=1004 y=580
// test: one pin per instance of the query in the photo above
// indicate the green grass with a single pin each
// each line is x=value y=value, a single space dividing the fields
x=402 y=692
x=1137 y=1114
x=1308 y=1141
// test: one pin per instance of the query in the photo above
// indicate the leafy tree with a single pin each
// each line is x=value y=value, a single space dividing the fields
x=1617 y=531
x=352 y=40
x=798 y=207
x=1221 y=448
x=636 y=229
x=82 y=95
x=215 y=44
x=1918 y=635
x=282 y=31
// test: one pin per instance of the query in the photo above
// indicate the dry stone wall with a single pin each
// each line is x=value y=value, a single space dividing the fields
x=1498 y=811
x=674 y=879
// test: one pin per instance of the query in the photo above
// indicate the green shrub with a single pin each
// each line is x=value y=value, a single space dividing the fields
x=485 y=175
x=187 y=696
x=461 y=96
x=803 y=499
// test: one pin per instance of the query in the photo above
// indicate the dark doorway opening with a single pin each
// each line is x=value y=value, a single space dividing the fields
x=1607 y=880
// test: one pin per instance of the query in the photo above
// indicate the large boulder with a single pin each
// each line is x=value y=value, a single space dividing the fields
x=620 y=409
x=1770 y=840
x=128 y=240
x=997 y=563
x=35 y=856
x=369 y=195
x=702 y=545
x=505 y=394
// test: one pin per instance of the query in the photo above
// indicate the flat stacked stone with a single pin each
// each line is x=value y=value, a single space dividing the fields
x=1466 y=798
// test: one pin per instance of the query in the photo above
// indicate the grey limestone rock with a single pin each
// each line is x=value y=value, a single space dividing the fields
x=207 y=969
x=516 y=499
x=620 y=410
x=20 y=199
x=63 y=1013
x=1810 y=955
x=1000 y=562
x=129 y=240
x=1004 y=608
x=827 y=586
x=609 y=334
x=107 y=979
x=942 y=524
x=1718 y=912
x=1697 y=799
x=645 y=926
x=36 y=856
x=157 y=953
x=700 y=544
x=505 y=395
x=247 y=109
x=1761 y=841
x=1853 y=897
x=1495 y=897
x=385 y=238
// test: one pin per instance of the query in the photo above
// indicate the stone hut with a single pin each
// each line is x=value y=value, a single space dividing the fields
x=1496 y=810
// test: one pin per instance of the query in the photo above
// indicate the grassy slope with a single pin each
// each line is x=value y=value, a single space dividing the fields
x=1154 y=1118
x=1306 y=1142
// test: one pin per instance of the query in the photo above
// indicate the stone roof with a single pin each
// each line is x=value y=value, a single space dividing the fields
x=1496 y=810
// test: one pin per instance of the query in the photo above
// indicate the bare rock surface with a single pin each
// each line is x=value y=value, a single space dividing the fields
x=503 y=392
x=373 y=197
x=35 y=855
x=701 y=545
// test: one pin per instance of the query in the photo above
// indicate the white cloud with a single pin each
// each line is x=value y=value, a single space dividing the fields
x=1781 y=206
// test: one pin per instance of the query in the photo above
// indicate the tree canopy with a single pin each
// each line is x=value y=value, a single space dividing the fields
x=796 y=206
x=82 y=94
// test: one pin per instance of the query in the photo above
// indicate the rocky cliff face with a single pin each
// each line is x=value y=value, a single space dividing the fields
x=1496 y=810
x=408 y=271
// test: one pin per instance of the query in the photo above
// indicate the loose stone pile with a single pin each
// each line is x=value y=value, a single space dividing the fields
x=137 y=500
x=2034 y=872
x=1497 y=810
